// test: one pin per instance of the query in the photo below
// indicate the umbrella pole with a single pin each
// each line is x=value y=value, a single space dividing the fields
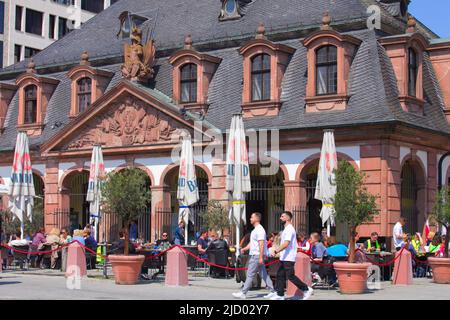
x=237 y=240
x=186 y=233
x=22 y=230
x=328 y=228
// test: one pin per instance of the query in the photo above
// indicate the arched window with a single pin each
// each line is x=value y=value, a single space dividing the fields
x=326 y=70
x=84 y=93
x=261 y=77
x=188 y=83
x=30 y=104
x=412 y=72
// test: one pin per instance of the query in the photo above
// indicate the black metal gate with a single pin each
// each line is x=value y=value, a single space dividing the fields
x=409 y=198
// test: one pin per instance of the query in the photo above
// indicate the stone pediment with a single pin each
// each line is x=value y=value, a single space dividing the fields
x=124 y=119
x=129 y=122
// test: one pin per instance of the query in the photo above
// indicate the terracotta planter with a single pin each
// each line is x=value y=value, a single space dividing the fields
x=352 y=277
x=126 y=269
x=441 y=269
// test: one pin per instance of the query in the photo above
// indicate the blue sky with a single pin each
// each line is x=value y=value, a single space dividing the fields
x=435 y=14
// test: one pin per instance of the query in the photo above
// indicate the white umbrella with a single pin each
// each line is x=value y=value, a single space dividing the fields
x=94 y=193
x=326 y=187
x=21 y=189
x=187 y=192
x=238 y=174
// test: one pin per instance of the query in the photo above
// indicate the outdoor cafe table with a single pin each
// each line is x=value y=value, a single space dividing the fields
x=382 y=257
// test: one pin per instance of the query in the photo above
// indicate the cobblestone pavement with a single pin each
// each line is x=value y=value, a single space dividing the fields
x=23 y=285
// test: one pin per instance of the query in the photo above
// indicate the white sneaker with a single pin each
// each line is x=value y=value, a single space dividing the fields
x=270 y=295
x=239 y=295
x=308 y=294
x=277 y=297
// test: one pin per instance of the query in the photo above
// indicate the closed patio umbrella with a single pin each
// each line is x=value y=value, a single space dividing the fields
x=187 y=192
x=238 y=174
x=94 y=193
x=21 y=189
x=326 y=187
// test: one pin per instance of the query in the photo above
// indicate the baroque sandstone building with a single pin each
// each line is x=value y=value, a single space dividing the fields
x=295 y=66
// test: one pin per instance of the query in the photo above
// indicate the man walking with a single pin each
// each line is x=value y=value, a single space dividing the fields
x=258 y=252
x=288 y=250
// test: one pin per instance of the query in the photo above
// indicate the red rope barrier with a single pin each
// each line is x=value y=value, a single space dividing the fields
x=382 y=264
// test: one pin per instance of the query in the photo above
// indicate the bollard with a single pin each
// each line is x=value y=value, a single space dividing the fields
x=303 y=272
x=76 y=260
x=402 y=274
x=176 y=272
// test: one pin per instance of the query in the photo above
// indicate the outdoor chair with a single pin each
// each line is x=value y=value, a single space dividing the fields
x=329 y=277
x=45 y=258
x=20 y=258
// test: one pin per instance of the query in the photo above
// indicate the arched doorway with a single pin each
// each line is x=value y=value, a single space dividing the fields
x=38 y=208
x=312 y=205
x=266 y=197
x=75 y=186
x=412 y=197
x=171 y=180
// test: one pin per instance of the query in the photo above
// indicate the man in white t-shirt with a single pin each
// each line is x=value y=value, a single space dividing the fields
x=258 y=253
x=288 y=250
x=398 y=233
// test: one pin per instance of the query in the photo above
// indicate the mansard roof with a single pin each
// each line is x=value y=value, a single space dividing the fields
x=372 y=83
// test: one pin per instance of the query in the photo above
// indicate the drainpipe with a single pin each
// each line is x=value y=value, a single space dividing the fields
x=441 y=162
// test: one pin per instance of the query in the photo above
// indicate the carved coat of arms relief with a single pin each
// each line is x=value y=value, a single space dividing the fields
x=127 y=123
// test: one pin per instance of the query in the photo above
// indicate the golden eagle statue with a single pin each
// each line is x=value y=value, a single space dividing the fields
x=139 y=58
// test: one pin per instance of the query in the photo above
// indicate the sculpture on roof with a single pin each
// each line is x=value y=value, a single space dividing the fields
x=139 y=58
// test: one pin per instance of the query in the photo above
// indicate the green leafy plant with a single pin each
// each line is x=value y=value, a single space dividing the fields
x=11 y=224
x=126 y=194
x=216 y=217
x=441 y=213
x=354 y=205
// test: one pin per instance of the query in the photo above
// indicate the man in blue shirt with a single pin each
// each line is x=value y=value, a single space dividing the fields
x=202 y=244
x=133 y=231
x=338 y=250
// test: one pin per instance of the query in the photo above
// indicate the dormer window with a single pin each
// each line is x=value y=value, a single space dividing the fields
x=265 y=63
x=330 y=56
x=30 y=114
x=188 y=83
x=406 y=55
x=88 y=84
x=84 y=93
x=128 y=22
x=261 y=77
x=35 y=93
x=192 y=73
x=326 y=70
x=412 y=72
x=230 y=10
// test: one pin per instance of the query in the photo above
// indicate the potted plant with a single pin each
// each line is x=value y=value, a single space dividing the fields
x=354 y=206
x=125 y=194
x=441 y=214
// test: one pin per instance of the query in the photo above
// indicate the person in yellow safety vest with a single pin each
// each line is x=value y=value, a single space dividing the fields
x=101 y=252
x=417 y=244
x=372 y=244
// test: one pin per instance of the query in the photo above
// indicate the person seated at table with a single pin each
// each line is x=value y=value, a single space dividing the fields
x=359 y=247
x=306 y=247
x=218 y=254
x=441 y=250
x=16 y=240
x=338 y=251
x=118 y=247
x=53 y=240
x=91 y=244
x=78 y=236
x=164 y=243
x=372 y=244
x=319 y=254
x=270 y=239
x=417 y=244
x=429 y=238
x=435 y=245
x=202 y=245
